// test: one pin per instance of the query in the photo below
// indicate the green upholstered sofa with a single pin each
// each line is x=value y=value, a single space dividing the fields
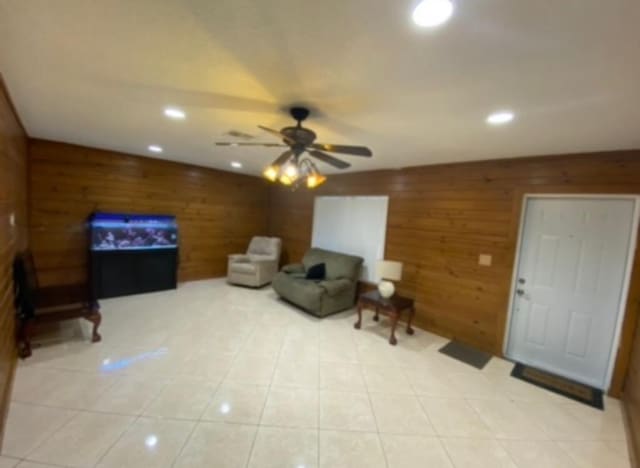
x=320 y=297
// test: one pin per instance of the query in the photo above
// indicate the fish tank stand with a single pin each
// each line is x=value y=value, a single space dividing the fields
x=132 y=254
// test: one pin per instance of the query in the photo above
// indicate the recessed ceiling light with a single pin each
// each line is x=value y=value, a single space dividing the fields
x=155 y=148
x=236 y=164
x=174 y=113
x=500 y=118
x=431 y=13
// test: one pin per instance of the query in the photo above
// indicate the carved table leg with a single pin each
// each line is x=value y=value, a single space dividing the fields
x=412 y=312
x=95 y=317
x=359 y=322
x=376 y=317
x=394 y=321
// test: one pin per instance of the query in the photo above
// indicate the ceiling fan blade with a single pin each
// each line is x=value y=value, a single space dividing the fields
x=233 y=143
x=278 y=134
x=329 y=159
x=282 y=158
x=344 y=149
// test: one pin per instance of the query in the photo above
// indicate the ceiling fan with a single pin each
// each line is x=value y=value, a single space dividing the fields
x=290 y=168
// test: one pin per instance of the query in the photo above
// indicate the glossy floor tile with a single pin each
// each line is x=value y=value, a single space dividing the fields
x=211 y=375
x=83 y=440
x=478 y=453
x=277 y=447
x=411 y=450
x=351 y=450
x=346 y=411
x=218 y=444
x=149 y=442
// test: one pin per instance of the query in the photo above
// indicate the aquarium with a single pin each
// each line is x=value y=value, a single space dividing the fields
x=110 y=231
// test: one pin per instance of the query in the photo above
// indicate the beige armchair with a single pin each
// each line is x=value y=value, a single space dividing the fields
x=258 y=266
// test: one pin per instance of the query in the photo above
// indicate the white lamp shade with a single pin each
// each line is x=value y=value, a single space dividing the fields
x=390 y=270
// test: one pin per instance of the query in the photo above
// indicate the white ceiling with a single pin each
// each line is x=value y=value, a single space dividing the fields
x=100 y=72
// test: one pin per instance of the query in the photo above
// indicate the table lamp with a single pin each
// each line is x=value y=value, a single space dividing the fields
x=388 y=270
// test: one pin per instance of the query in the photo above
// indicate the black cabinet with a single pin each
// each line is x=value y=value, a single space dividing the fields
x=119 y=273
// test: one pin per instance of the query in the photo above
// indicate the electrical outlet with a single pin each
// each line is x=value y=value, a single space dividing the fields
x=485 y=260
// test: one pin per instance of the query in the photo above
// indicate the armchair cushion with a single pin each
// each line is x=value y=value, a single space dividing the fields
x=246 y=268
x=335 y=287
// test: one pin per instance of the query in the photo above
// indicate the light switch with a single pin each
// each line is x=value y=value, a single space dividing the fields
x=485 y=260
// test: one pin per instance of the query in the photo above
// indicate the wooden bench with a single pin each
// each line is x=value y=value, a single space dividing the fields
x=37 y=305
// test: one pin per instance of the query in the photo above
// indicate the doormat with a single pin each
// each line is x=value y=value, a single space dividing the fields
x=466 y=354
x=576 y=391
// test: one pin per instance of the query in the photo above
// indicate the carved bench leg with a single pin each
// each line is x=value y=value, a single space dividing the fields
x=95 y=317
x=24 y=338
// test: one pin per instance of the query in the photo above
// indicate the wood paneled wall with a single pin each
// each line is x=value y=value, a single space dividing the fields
x=13 y=234
x=442 y=217
x=217 y=211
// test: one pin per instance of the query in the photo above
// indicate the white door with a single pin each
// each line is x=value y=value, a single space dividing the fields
x=573 y=258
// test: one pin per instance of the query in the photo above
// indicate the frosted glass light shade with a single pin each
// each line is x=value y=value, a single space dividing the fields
x=389 y=270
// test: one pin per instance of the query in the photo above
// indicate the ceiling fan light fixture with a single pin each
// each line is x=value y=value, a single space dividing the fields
x=286 y=180
x=315 y=180
x=291 y=170
x=271 y=173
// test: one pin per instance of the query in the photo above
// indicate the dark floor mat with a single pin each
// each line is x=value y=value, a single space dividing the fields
x=466 y=354
x=576 y=391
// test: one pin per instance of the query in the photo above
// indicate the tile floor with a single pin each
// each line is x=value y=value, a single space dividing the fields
x=216 y=376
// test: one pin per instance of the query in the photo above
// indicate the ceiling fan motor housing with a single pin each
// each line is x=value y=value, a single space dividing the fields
x=302 y=136
x=299 y=113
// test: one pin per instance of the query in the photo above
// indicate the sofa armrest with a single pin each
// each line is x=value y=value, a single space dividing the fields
x=294 y=268
x=337 y=286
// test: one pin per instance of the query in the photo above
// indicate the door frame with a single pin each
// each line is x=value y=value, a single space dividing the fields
x=624 y=295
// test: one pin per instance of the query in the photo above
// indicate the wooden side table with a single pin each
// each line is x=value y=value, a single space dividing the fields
x=392 y=307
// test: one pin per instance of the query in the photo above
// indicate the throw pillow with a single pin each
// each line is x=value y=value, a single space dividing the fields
x=316 y=272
